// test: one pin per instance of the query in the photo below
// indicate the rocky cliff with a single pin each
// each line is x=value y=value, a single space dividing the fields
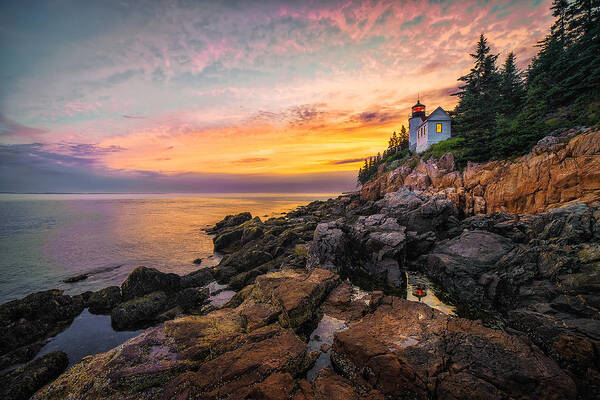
x=560 y=170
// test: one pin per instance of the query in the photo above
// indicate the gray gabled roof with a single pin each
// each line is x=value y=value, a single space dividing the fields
x=434 y=111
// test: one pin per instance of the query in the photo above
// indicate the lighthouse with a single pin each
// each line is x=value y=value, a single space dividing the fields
x=418 y=116
x=423 y=131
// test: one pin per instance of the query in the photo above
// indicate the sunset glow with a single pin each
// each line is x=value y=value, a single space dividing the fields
x=212 y=96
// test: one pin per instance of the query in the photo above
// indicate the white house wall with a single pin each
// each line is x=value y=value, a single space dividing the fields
x=429 y=135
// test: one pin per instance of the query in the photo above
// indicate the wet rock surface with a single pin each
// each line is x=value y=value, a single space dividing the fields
x=24 y=381
x=104 y=300
x=26 y=323
x=407 y=350
x=222 y=354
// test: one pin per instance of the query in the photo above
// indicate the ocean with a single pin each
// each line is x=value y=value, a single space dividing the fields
x=46 y=238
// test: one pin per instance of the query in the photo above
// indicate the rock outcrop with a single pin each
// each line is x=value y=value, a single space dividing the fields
x=407 y=350
x=150 y=296
x=104 y=300
x=25 y=324
x=142 y=281
x=224 y=354
x=254 y=349
x=23 y=382
x=542 y=272
x=560 y=170
x=374 y=246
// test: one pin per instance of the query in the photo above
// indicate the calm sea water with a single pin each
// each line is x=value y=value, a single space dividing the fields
x=45 y=238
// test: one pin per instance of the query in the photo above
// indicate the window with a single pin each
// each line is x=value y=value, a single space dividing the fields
x=438 y=128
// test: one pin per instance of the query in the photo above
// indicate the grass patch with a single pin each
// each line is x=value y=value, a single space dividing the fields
x=455 y=146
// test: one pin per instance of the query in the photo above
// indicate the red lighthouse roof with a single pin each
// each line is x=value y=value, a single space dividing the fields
x=418 y=110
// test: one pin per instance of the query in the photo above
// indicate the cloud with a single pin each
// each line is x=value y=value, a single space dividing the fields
x=89 y=149
x=133 y=117
x=286 y=86
x=252 y=160
x=347 y=161
x=418 y=20
x=434 y=66
x=14 y=130
x=379 y=116
x=29 y=168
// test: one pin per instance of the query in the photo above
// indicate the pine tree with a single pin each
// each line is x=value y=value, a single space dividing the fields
x=393 y=142
x=403 y=138
x=560 y=12
x=478 y=105
x=511 y=88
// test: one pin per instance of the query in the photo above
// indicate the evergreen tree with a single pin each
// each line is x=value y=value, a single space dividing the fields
x=499 y=114
x=560 y=12
x=393 y=142
x=403 y=138
x=511 y=88
x=478 y=105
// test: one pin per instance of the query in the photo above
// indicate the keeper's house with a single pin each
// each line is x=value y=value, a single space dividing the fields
x=425 y=131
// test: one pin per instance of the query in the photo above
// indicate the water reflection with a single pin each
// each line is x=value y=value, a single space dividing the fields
x=419 y=288
x=88 y=334
x=47 y=238
x=219 y=294
x=321 y=340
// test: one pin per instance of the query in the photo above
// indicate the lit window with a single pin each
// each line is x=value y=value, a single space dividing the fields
x=438 y=128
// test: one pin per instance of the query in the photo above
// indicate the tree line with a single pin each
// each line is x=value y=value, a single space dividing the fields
x=397 y=149
x=503 y=111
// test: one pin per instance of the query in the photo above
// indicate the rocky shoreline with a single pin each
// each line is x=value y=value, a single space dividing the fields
x=320 y=310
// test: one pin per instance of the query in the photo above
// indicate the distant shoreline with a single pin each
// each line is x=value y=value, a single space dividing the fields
x=273 y=193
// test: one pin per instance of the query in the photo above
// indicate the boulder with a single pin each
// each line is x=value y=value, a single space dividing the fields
x=374 y=246
x=418 y=180
x=230 y=239
x=344 y=304
x=466 y=265
x=231 y=375
x=297 y=293
x=140 y=311
x=329 y=385
x=420 y=213
x=192 y=299
x=243 y=260
x=385 y=241
x=76 y=278
x=27 y=322
x=143 y=280
x=407 y=350
x=23 y=382
x=202 y=277
x=230 y=221
x=104 y=300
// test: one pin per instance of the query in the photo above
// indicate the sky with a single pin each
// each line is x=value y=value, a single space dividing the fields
x=229 y=96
